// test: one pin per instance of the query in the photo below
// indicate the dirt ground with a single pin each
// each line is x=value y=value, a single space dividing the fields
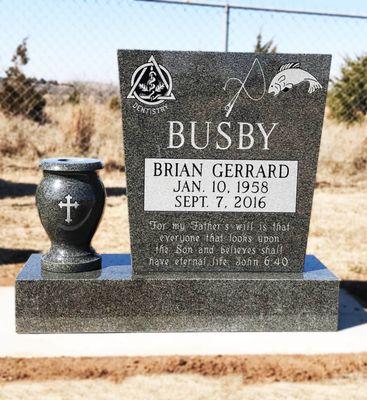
x=252 y=369
x=252 y=377
x=184 y=387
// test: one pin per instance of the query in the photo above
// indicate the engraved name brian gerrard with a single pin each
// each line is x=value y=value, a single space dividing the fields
x=220 y=185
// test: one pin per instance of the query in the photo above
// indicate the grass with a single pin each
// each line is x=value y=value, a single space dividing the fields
x=87 y=129
x=343 y=154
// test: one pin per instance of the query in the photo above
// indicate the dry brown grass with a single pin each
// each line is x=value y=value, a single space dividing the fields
x=94 y=129
x=82 y=128
x=88 y=129
x=343 y=154
x=13 y=145
x=338 y=230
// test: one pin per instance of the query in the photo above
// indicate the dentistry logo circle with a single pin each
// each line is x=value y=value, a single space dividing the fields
x=151 y=84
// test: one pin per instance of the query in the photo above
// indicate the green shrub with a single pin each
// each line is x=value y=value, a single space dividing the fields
x=19 y=94
x=347 y=98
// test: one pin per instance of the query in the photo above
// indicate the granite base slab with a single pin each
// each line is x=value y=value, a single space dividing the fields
x=113 y=300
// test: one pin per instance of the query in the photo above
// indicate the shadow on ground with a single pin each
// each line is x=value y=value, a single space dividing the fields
x=15 y=256
x=352 y=311
x=17 y=189
x=116 y=191
x=357 y=288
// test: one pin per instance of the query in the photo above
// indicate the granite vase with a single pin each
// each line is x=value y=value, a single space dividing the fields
x=70 y=201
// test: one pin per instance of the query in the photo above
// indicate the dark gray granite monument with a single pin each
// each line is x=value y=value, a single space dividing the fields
x=221 y=153
x=115 y=300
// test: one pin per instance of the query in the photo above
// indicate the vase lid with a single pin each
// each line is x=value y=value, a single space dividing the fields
x=71 y=164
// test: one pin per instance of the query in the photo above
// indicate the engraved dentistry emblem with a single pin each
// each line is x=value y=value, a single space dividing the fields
x=151 y=84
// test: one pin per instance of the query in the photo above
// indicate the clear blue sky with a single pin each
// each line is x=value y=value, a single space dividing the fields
x=77 y=40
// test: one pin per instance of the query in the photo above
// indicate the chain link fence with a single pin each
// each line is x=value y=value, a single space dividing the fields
x=77 y=40
x=68 y=68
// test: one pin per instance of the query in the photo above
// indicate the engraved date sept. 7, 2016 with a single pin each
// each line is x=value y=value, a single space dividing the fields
x=247 y=194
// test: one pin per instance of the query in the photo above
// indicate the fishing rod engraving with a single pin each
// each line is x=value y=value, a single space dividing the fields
x=229 y=107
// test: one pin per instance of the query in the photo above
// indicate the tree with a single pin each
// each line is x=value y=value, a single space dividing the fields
x=267 y=47
x=19 y=94
x=347 y=98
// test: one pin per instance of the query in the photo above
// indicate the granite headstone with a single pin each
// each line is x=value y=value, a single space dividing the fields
x=221 y=152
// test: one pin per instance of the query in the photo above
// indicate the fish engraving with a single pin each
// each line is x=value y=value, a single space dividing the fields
x=290 y=75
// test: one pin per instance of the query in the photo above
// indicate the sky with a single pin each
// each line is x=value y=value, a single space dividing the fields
x=76 y=40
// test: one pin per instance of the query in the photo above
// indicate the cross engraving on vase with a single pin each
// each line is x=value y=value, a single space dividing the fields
x=68 y=206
